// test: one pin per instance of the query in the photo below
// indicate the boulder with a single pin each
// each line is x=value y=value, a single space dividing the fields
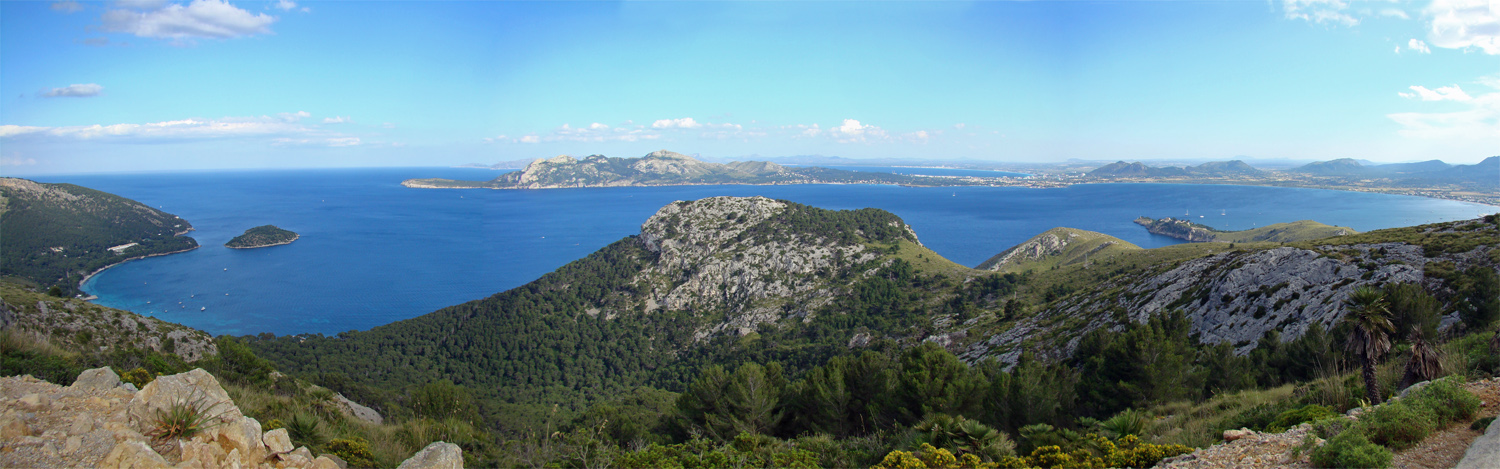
x=438 y=455
x=34 y=401
x=325 y=462
x=97 y=379
x=1231 y=435
x=1413 y=388
x=1484 y=453
x=358 y=411
x=196 y=388
x=242 y=437
x=133 y=454
x=12 y=427
x=277 y=441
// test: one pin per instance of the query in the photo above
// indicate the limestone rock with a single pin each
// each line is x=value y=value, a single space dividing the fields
x=277 y=441
x=1484 y=453
x=438 y=455
x=324 y=462
x=12 y=428
x=196 y=387
x=1231 y=435
x=358 y=411
x=35 y=401
x=242 y=437
x=133 y=454
x=101 y=379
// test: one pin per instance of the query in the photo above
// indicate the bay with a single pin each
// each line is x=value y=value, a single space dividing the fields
x=372 y=252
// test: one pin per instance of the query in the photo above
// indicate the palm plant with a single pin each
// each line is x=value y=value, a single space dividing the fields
x=1369 y=334
x=1424 y=364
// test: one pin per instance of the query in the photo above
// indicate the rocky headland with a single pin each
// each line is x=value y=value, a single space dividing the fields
x=1187 y=230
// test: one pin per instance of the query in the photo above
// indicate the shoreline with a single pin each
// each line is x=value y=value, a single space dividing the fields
x=101 y=269
x=294 y=238
x=1035 y=184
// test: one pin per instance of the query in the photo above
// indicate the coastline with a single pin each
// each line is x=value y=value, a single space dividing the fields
x=101 y=269
x=294 y=238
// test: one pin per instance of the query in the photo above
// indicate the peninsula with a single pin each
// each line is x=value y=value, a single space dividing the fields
x=1303 y=230
x=665 y=168
x=262 y=236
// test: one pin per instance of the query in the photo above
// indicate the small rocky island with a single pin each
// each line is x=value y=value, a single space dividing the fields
x=1276 y=233
x=262 y=236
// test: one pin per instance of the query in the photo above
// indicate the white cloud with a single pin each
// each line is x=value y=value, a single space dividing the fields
x=598 y=126
x=1395 y=13
x=16 y=160
x=854 y=131
x=286 y=4
x=811 y=130
x=960 y=126
x=1443 y=93
x=531 y=139
x=199 y=19
x=1461 y=24
x=1418 y=45
x=67 y=6
x=294 y=116
x=1481 y=121
x=278 y=129
x=336 y=120
x=75 y=91
x=683 y=123
x=1319 y=11
x=141 y=4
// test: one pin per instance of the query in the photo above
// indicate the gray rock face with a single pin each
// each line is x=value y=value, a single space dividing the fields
x=438 y=455
x=704 y=265
x=97 y=379
x=1234 y=297
x=1041 y=246
x=1484 y=453
x=358 y=411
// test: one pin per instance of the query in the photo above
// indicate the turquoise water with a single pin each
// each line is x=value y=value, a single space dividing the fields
x=373 y=252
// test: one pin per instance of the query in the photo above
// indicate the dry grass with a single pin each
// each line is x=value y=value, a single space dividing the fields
x=386 y=441
x=1197 y=424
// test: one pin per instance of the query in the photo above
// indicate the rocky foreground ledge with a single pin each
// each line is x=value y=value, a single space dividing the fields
x=101 y=422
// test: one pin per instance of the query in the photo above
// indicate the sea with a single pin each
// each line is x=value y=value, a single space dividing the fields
x=372 y=252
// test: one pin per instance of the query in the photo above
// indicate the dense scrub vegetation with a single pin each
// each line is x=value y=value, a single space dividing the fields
x=54 y=234
x=264 y=235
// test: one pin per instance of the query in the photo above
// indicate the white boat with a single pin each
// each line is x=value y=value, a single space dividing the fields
x=205 y=308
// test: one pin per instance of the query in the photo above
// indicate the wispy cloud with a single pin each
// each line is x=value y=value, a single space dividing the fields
x=1464 y=24
x=75 y=91
x=215 y=19
x=1442 y=93
x=1319 y=11
x=683 y=123
x=337 y=120
x=282 y=129
x=1481 y=121
x=67 y=6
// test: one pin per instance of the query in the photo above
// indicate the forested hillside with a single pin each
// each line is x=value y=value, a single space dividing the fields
x=759 y=324
x=55 y=234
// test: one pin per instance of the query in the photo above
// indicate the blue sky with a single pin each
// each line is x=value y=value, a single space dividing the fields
x=145 y=85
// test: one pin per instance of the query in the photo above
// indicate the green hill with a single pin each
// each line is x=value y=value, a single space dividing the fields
x=262 y=236
x=1055 y=248
x=56 y=234
x=1303 y=230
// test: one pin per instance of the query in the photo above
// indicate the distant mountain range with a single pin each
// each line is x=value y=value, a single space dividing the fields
x=666 y=168
x=1484 y=174
x=1210 y=169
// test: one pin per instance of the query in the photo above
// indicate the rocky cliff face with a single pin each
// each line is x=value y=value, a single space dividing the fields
x=1234 y=297
x=100 y=422
x=1057 y=246
x=709 y=261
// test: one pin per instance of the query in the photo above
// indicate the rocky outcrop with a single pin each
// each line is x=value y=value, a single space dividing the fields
x=706 y=262
x=354 y=409
x=1484 y=453
x=1180 y=229
x=95 y=424
x=1232 y=297
x=1057 y=246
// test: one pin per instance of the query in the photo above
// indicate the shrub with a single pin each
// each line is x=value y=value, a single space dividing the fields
x=354 y=451
x=1350 y=449
x=1396 y=425
x=305 y=430
x=1331 y=427
x=1446 y=401
x=186 y=417
x=1294 y=417
x=139 y=377
x=1129 y=422
x=1254 y=418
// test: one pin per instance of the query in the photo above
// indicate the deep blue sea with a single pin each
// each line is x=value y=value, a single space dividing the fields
x=373 y=252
